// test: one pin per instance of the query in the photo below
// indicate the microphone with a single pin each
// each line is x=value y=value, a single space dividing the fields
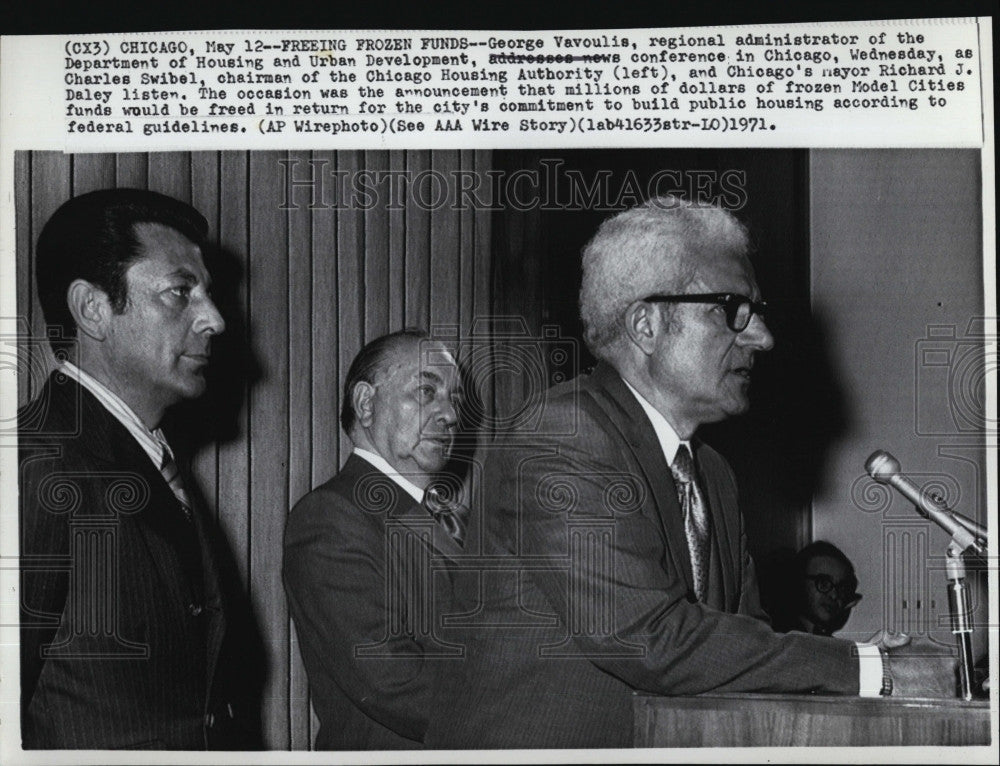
x=884 y=468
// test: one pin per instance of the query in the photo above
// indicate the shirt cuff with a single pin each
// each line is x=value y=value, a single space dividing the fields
x=869 y=670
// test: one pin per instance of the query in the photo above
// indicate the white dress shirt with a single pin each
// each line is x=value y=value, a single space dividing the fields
x=383 y=465
x=153 y=443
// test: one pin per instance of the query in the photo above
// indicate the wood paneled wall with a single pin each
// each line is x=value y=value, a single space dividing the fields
x=307 y=287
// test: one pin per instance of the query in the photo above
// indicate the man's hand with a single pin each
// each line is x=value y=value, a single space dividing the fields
x=922 y=668
x=886 y=639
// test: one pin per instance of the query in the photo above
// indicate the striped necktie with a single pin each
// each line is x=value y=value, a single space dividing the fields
x=172 y=475
x=697 y=524
x=448 y=513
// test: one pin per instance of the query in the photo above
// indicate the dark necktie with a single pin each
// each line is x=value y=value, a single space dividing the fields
x=697 y=524
x=449 y=513
x=172 y=475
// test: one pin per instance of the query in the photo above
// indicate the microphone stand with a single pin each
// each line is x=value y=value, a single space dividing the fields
x=958 y=606
x=966 y=535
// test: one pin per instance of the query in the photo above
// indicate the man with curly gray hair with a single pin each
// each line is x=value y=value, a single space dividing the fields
x=647 y=245
x=652 y=275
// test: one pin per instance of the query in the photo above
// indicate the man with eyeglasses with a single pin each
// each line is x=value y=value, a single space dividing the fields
x=831 y=588
x=818 y=591
x=618 y=555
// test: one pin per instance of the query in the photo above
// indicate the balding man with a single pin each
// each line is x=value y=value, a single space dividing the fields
x=627 y=563
x=359 y=550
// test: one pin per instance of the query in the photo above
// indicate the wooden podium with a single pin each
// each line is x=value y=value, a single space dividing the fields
x=781 y=720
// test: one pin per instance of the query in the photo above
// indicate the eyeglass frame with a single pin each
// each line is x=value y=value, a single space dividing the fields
x=824 y=584
x=730 y=303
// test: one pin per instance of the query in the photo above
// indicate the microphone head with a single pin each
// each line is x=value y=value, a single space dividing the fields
x=882 y=466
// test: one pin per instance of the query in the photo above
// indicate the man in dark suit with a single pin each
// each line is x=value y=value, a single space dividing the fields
x=626 y=562
x=364 y=551
x=124 y=640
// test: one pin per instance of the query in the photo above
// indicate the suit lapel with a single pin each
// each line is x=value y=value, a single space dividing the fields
x=625 y=415
x=359 y=477
x=160 y=519
x=722 y=537
x=157 y=519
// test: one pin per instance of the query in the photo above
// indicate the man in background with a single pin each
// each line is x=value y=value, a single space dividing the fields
x=819 y=591
x=359 y=550
x=125 y=641
x=632 y=568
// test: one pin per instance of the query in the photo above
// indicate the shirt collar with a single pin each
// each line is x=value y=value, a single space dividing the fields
x=382 y=464
x=153 y=443
x=665 y=434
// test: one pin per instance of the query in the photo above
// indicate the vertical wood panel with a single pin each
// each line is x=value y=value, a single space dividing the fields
x=376 y=255
x=234 y=454
x=350 y=277
x=170 y=173
x=93 y=171
x=131 y=171
x=268 y=302
x=299 y=423
x=482 y=274
x=397 y=239
x=465 y=278
x=444 y=242
x=50 y=187
x=324 y=383
x=418 y=223
x=484 y=217
x=31 y=363
x=205 y=199
x=325 y=340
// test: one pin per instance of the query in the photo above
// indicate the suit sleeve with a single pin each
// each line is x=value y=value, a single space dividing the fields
x=625 y=595
x=44 y=551
x=337 y=580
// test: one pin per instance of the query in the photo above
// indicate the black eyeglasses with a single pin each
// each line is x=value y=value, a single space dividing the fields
x=739 y=308
x=845 y=589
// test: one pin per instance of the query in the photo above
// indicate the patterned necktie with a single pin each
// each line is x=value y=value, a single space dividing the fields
x=172 y=475
x=448 y=513
x=697 y=525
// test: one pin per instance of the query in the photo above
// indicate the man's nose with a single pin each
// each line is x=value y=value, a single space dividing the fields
x=447 y=413
x=209 y=319
x=757 y=335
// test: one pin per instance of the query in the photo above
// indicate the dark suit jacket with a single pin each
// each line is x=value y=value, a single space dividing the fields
x=366 y=604
x=124 y=638
x=595 y=599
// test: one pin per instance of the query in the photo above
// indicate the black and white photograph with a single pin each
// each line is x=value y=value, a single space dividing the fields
x=438 y=395
x=346 y=334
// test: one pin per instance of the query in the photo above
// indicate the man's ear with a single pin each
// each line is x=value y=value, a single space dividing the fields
x=642 y=323
x=363 y=401
x=90 y=307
